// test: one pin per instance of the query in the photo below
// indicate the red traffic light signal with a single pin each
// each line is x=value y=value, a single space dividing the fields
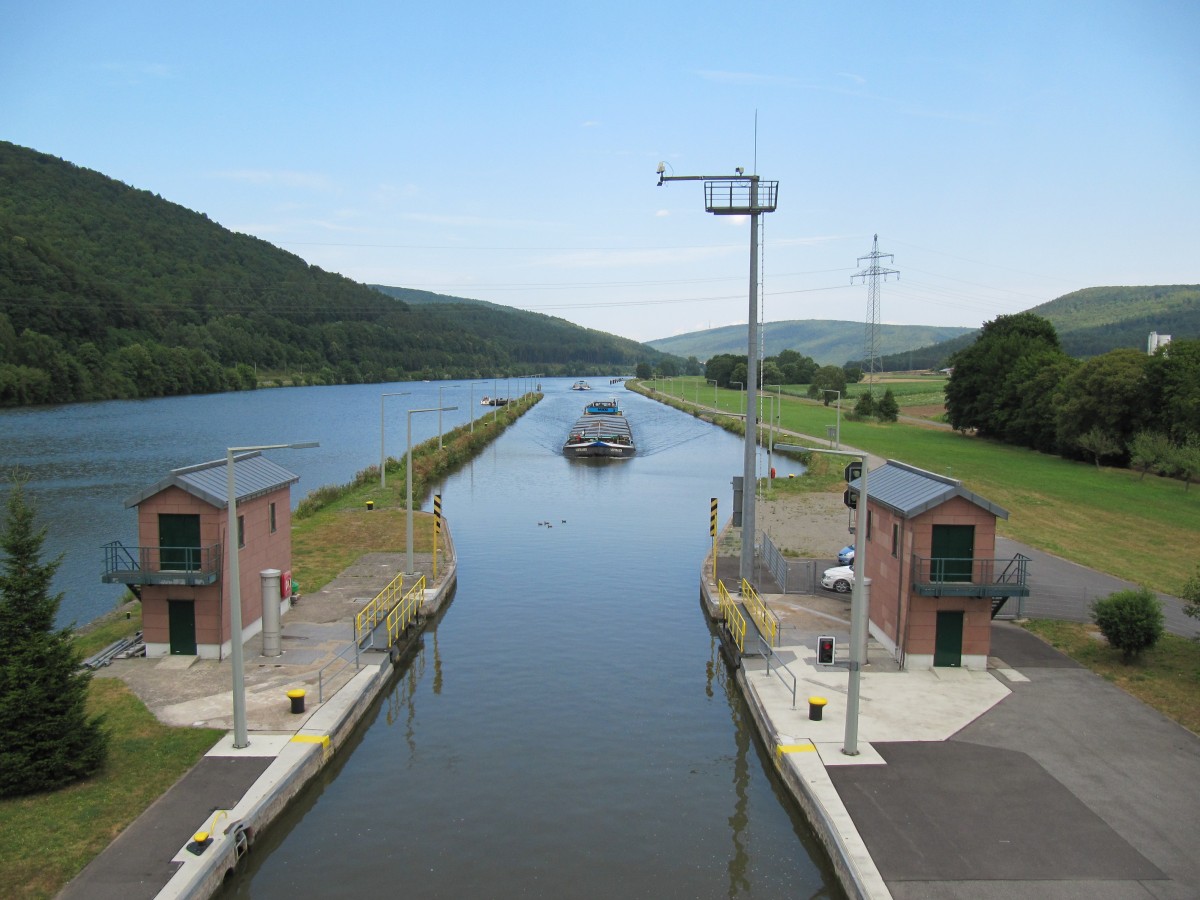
x=826 y=647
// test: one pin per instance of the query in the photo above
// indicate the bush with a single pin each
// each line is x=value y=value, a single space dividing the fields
x=1131 y=621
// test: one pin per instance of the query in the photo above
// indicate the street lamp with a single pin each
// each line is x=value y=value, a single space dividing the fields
x=408 y=477
x=859 y=597
x=382 y=455
x=240 y=738
x=473 y=383
x=741 y=195
x=440 y=408
x=741 y=388
x=838 y=444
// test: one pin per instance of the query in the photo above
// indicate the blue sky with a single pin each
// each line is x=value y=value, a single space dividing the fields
x=1005 y=153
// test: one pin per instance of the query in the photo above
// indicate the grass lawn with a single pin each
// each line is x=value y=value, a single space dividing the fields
x=49 y=838
x=1112 y=520
x=1166 y=677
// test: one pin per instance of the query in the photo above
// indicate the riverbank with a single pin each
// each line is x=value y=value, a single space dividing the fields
x=329 y=539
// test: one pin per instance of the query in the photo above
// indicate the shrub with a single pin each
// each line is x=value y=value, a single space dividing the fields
x=1131 y=621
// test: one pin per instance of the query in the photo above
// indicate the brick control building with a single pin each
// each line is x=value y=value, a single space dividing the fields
x=180 y=568
x=936 y=583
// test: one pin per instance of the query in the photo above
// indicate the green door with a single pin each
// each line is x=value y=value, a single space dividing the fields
x=179 y=542
x=947 y=643
x=953 y=552
x=181 y=626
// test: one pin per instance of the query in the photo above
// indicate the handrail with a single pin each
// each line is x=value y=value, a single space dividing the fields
x=379 y=606
x=345 y=662
x=735 y=622
x=782 y=665
x=969 y=570
x=767 y=621
x=405 y=612
x=119 y=558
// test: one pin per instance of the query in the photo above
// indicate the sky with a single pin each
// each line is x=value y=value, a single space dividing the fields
x=1005 y=153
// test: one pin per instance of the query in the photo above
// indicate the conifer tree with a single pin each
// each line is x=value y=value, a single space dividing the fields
x=887 y=409
x=46 y=738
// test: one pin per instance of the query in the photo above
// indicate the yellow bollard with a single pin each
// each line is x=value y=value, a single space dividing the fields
x=816 y=706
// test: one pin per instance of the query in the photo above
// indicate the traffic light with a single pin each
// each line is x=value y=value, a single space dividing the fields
x=826 y=646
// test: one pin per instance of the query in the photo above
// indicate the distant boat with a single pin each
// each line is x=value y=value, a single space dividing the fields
x=493 y=401
x=581 y=386
x=602 y=431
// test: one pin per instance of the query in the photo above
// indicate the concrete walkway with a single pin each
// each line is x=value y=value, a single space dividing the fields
x=231 y=793
x=1032 y=779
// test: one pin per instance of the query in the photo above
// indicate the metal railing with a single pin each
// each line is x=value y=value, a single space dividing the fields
x=378 y=608
x=780 y=665
x=340 y=658
x=131 y=564
x=776 y=562
x=405 y=612
x=968 y=576
x=732 y=195
x=735 y=622
x=768 y=622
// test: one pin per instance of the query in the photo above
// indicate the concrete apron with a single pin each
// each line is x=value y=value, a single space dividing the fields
x=299 y=756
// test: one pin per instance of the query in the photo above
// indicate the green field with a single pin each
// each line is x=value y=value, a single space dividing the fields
x=1111 y=520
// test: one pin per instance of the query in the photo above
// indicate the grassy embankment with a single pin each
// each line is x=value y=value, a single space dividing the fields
x=1140 y=529
x=49 y=838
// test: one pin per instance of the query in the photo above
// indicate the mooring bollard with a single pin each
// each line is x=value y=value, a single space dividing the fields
x=297 y=698
x=816 y=706
x=370 y=504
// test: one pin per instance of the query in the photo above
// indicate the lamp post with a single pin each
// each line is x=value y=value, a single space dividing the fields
x=859 y=597
x=241 y=739
x=439 y=409
x=838 y=443
x=382 y=455
x=473 y=383
x=741 y=195
x=408 y=477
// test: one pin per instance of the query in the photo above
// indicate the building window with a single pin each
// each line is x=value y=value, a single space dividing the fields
x=241 y=531
x=895 y=539
x=272 y=518
x=869 y=524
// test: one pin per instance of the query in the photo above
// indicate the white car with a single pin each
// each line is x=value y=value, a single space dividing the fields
x=839 y=578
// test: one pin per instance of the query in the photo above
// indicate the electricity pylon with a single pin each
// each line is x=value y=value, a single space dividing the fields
x=871 y=275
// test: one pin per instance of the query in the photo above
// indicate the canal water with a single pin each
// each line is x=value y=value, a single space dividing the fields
x=567 y=728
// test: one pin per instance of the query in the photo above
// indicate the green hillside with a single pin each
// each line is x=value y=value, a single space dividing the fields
x=830 y=343
x=107 y=291
x=1091 y=322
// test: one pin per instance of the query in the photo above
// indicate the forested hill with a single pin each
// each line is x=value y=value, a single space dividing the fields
x=1091 y=322
x=107 y=291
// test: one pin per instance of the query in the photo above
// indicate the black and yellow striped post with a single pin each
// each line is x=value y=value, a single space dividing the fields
x=437 y=529
x=712 y=531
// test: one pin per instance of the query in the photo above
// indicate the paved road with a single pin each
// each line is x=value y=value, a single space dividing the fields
x=1068 y=788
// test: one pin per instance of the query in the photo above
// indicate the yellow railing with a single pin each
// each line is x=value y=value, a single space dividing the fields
x=376 y=611
x=406 y=611
x=768 y=622
x=735 y=622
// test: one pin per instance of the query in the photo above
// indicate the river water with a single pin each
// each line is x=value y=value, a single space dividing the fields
x=567 y=728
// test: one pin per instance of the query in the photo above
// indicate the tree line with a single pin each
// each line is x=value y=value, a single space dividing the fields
x=1125 y=407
